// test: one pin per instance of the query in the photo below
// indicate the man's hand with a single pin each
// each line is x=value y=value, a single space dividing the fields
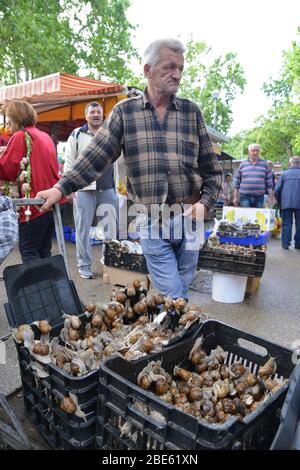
x=236 y=202
x=70 y=198
x=270 y=201
x=51 y=196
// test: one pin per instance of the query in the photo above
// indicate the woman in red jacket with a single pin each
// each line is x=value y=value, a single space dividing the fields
x=30 y=158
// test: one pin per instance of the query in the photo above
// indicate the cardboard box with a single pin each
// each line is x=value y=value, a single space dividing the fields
x=252 y=285
x=264 y=217
x=122 y=277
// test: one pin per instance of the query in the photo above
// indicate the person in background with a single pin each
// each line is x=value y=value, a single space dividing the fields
x=169 y=161
x=253 y=179
x=30 y=157
x=287 y=193
x=227 y=193
x=87 y=200
x=270 y=166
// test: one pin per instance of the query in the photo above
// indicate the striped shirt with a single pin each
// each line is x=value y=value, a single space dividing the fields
x=9 y=227
x=165 y=162
x=254 y=179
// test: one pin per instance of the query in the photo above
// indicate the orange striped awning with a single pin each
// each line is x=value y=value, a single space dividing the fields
x=58 y=87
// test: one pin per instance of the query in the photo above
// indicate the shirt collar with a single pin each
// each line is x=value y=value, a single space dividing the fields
x=174 y=102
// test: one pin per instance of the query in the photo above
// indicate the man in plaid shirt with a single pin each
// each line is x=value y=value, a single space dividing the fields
x=169 y=161
x=8 y=227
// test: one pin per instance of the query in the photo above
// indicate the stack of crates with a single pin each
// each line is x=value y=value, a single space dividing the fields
x=130 y=261
x=121 y=424
x=42 y=290
x=219 y=260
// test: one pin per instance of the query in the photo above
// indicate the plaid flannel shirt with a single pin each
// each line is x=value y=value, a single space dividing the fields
x=9 y=227
x=165 y=162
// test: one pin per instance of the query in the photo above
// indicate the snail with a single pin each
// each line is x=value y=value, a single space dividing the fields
x=161 y=386
x=182 y=373
x=180 y=304
x=21 y=332
x=43 y=326
x=73 y=334
x=41 y=349
x=195 y=394
x=96 y=320
x=68 y=405
x=269 y=368
x=90 y=307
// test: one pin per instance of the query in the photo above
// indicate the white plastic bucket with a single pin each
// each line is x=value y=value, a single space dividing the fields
x=228 y=288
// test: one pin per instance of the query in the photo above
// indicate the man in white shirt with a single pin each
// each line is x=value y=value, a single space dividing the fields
x=87 y=200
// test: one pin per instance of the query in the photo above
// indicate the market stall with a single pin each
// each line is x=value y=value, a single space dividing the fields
x=60 y=98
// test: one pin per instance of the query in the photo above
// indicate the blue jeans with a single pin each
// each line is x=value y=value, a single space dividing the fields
x=172 y=260
x=287 y=225
x=246 y=200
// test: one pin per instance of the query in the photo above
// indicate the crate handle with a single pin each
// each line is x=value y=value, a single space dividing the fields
x=253 y=347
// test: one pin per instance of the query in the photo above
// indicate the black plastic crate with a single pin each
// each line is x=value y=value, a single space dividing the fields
x=288 y=434
x=42 y=291
x=117 y=259
x=174 y=429
x=215 y=260
x=42 y=398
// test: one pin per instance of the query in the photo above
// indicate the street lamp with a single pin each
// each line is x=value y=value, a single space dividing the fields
x=215 y=94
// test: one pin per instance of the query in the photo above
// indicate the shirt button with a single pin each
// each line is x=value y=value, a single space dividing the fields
x=169 y=172
x=165 y=154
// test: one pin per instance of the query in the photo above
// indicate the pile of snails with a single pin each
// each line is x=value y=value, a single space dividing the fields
x=209 y=389
x=135 y=322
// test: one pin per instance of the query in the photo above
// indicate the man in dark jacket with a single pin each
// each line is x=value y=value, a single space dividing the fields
x=287 y=193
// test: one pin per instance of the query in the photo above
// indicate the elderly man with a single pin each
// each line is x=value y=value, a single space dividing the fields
x=169 y=160
x=287 y=193
x=253 y=180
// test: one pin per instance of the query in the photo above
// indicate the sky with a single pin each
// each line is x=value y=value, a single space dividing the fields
x=257 y=30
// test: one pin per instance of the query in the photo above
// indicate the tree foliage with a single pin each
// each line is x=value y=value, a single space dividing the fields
x=40 y=37
x=278 y=132
x=204 y=74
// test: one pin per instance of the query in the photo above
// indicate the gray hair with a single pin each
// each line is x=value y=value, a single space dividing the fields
x=253 y=145
x=152 y=53
x=295 y=161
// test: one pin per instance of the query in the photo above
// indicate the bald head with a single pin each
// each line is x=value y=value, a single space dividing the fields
x=294 y=161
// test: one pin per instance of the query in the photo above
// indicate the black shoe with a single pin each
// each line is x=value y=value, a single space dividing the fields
x=285 y=247
x=297 y=247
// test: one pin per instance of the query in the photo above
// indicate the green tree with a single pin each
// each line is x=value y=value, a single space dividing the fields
x=36 y=40
x=278 y=132
x=104 y=37
x=287 y=85
x=202 y=75
x=40 y=37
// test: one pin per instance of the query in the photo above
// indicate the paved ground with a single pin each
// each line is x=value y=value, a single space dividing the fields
x=273 y=312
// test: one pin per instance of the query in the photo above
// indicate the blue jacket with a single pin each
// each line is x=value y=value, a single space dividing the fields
x=287 y=189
